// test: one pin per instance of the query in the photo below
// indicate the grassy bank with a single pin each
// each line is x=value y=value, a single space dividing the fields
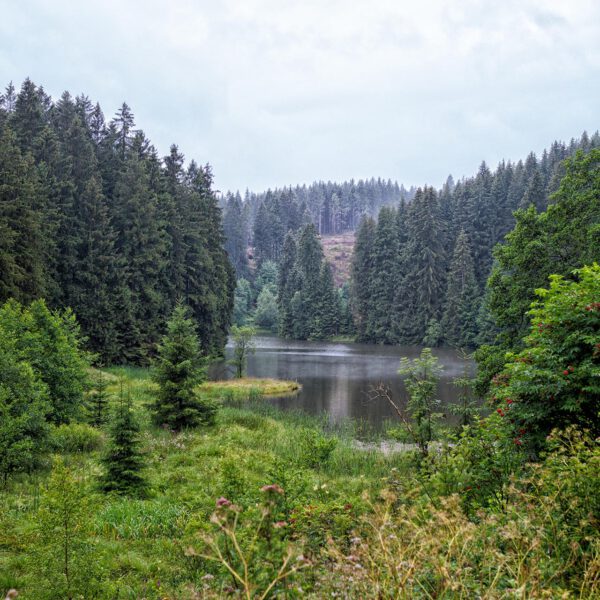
x=266 y=498
x=250 y=385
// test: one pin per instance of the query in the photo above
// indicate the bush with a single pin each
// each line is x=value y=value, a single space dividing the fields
x=554 y=382
x=50 y=342
x=315 y=448
x=76 y=437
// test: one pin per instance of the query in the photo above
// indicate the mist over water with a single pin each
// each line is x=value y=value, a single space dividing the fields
x=336 y=378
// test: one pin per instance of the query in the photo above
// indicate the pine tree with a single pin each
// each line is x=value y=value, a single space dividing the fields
x=328 y=307
x=382 y=284
x=424 y=284
x=287 y=286
x=177 y=371
x=98 y=401
x=459 y=323
x=123 y=462
x=236 y=235
x=22 y=260
x=362 y=276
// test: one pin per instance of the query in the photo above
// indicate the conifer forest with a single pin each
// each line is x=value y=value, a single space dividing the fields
x=362 y=387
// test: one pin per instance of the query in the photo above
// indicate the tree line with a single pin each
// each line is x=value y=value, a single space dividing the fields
x=419 y=272
x=92 y=218
x=263 y=220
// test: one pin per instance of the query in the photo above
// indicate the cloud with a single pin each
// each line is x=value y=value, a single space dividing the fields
x=275 y=92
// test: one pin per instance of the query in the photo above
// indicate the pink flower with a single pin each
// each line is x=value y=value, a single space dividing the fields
x=221 y=502
x=279 y=524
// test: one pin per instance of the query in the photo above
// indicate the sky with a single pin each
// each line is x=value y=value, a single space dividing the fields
x=278 y=92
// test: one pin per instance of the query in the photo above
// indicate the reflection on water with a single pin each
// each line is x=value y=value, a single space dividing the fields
x=336 y=378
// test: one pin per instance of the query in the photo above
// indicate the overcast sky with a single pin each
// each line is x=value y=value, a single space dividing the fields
x=277 y=92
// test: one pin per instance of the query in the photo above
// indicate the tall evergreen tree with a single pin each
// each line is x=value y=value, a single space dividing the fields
x=459 y=323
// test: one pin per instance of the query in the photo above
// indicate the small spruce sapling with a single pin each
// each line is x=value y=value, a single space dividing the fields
x=123 y=461
x=177 y=371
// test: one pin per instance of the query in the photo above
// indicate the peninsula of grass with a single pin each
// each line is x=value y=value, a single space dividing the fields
x=244 y=386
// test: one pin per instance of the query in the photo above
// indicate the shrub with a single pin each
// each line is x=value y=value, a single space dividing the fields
x=23 y=409
x=554 y=381
x=315 y=448
x=50 y=342
x=76 y=437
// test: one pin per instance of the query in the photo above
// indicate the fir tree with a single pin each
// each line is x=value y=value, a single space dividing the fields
x=459 y=323
x=177 y=371
x=123 y=462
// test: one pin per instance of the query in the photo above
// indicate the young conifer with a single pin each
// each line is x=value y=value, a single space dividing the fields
x=123 y=462
x=178 y=370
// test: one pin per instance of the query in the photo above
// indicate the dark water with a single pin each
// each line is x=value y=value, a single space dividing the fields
x=336 y=378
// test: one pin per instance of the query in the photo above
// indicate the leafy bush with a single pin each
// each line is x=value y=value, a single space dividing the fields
x=50 y=342
x=76 y=437
x=554 y=381
x=315 y=448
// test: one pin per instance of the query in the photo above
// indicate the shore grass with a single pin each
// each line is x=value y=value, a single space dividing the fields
x=262 y=386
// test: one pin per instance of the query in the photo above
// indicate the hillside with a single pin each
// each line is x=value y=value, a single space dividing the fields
x=338 y=251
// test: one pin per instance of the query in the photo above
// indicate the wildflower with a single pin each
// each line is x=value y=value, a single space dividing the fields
x=221 y=502
x=518 y=441
x=565 y=372
x=272 y=487
x=500 y=412
x=509 y=401
x=279 y=524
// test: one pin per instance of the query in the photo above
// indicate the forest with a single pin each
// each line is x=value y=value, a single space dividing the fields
x=126 y=473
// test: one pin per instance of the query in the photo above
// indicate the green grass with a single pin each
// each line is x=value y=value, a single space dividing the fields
x=138 y=542
x=341 y=506
x=242 y=386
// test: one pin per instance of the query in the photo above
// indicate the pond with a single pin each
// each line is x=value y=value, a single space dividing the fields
x=336 y=377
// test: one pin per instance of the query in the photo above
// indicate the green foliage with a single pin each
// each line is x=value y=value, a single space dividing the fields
x=553 y=382
x=267 y=313
x=93 y=219
x=62 y=563
x=309 y=307
x=421 y=377
x=97 y=400
x=243 y=345
x=24 y=407
x=76 y=437
x=123 y=461
x=562 y=238
x=51 y=344
x=315 y=448
x=242 y=305
x=177 y=371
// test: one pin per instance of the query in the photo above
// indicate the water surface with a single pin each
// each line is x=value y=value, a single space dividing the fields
x=336 y=378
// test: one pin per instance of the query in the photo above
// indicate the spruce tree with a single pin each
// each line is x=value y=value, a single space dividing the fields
x=382 y=284
x=459 y=323
x=287 y=286
x=177 y=371
x=362 y=278
x=123 y=462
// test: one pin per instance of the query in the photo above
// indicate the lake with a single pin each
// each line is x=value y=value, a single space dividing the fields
x=336 y=377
